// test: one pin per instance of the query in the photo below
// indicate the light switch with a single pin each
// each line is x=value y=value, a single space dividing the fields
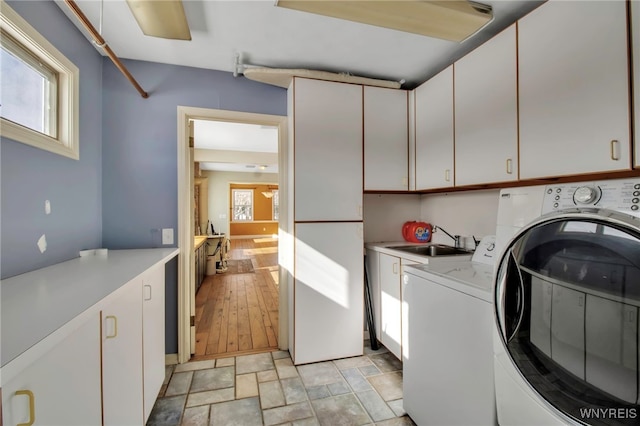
x=47 y=207
x=167 y=236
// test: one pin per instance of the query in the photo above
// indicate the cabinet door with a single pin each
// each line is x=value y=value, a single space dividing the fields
x=328 y=305
x=635 y=40
x=327 y=150
x=386 y=139
x=404 y=279
x=486 y=113
x=122 y=357
x=390 y=304
x=65 y=384
x=574 y=89
x=434 y=132
x=153 y=335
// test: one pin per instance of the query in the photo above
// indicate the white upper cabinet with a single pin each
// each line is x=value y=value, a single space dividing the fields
x=386 y=139
x=574 y=89
x=327 y=150
x=486 y=112
x=635 y=40
x=434 y=131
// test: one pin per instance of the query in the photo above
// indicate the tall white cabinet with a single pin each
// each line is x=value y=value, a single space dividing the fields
x=486 y=112
x=386 y=136
x=327 y=292
x=574 y=91
x=434 y=132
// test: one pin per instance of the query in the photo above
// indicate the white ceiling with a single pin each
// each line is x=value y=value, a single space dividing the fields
x=235 y=147
x=265 y=35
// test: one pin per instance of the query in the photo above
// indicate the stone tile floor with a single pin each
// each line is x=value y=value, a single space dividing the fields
x=267 y=389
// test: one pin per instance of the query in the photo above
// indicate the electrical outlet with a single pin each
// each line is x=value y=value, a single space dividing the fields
x=167 y=236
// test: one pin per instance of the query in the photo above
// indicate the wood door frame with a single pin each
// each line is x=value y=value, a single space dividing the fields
x=186 y=288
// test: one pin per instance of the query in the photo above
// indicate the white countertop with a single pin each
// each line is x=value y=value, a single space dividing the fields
x=472 y=278
x=37 y=303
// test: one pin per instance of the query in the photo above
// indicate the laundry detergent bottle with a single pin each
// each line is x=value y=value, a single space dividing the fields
x=416 y=232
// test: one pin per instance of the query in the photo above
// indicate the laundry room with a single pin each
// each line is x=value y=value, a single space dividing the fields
x=441 y=225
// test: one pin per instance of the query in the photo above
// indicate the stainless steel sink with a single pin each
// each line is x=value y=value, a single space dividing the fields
x=433 y=250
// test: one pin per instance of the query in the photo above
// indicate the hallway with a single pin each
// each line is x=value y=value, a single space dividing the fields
x=237 y=311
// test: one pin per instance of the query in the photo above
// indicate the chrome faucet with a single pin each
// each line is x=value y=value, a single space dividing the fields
x=455 y=238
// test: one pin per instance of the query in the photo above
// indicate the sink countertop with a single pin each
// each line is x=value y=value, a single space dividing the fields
x=387 y=247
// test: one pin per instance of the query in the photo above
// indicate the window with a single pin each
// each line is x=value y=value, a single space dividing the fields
x=39 y=89
x=242 y=204
x=276 y=204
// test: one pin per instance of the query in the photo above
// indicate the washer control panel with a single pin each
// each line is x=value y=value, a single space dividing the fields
x=620 y=194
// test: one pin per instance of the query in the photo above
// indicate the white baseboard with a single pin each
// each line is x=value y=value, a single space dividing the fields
x=170 y=359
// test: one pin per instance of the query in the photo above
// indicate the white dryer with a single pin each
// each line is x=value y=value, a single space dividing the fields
x=567 y=299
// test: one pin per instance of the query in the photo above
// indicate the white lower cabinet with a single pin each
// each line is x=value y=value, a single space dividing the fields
x=391 y=304
x=387 y=286
x=122 y=358
x=153 y=338
x=62 y=387
x=108 y=371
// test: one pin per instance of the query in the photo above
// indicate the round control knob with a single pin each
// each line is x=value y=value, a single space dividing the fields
x=585 y=195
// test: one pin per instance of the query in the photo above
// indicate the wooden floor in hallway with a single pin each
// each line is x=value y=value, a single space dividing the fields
x=237 y=311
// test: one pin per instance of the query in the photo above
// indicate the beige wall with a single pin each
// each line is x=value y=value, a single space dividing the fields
x=219 y=184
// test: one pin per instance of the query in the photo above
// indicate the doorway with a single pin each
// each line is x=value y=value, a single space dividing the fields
x=253 y=249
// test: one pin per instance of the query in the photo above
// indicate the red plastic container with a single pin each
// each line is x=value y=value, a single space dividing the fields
x=416 y=232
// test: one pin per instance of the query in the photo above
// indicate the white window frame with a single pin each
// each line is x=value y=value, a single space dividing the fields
x=233 y=204
x=66 y=142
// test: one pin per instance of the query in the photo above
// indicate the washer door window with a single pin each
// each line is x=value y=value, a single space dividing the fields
x=568 y=296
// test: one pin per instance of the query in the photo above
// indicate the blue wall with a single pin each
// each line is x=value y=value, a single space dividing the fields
x=139 y=151
x=29 y=176
x=124 y=188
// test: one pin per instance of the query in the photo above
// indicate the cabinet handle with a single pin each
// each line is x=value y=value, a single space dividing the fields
x=509 y=166
x=446 y=175
x=115 y=326
x=395 y=268
x=150 y=295
x=614 y=150
x=32 y=406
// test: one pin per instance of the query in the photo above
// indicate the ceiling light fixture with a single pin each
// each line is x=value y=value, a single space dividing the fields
x=454 y=20
x=164 y=19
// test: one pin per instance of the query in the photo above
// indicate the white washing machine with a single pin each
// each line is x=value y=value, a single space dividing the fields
x=448 y=357
x=567 y=299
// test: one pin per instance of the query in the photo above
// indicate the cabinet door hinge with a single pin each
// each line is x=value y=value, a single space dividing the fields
x=193 y=320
